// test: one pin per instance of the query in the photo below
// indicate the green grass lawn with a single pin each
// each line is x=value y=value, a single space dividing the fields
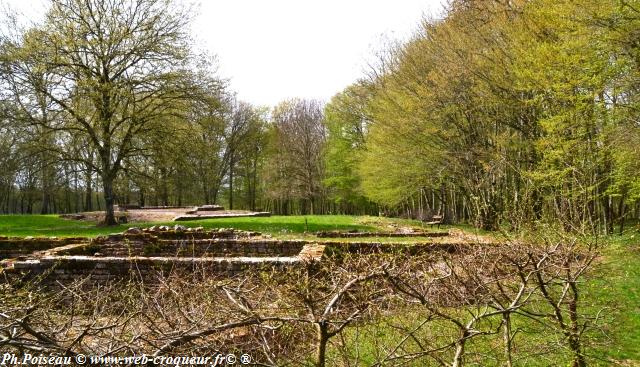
x=52 y=225
x=279 y=226
x=615 y=285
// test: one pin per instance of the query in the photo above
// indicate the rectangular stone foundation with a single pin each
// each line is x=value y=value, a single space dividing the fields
x=11 y=247
x=151 y=253
x=182 y=218
x=94 y=270
x=188 y=248
x=334 y=234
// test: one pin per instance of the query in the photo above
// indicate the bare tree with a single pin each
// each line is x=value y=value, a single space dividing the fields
x=112 y=68
x=299 y=137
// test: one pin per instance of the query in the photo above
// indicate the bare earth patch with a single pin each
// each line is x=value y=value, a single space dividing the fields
x=152 y=215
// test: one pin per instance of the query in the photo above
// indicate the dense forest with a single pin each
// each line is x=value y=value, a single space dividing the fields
x=499 y=112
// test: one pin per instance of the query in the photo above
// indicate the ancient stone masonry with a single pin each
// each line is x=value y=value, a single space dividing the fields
x=12 y=247
x=128 y=213
x=336 y=249
x=143 y=254
x=206 y=208
x=338 y=234
x=138 y=207
x=200 y=215
x=54 y=269
x=130 y=246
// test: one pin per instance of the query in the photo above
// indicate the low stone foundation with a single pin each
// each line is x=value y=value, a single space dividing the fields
x=12 y=247
x=156 y=207
x=95 y=270
x=206 y=208
x=144 y=254
x=337 y=234
x=188 y=248
x=333 y=249
x=198 y=216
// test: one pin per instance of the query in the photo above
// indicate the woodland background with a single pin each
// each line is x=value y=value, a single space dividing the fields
x=500 y=112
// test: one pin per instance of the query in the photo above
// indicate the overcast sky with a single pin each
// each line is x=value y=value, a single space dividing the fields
x=278 y=49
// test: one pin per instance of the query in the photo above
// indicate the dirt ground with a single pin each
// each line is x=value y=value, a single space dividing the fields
x=153 y=215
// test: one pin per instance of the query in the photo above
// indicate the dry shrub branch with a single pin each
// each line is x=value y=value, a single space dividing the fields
x=467 y=305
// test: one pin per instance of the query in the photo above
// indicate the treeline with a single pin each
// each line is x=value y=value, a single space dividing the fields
x=501 y=112
x=107 y=103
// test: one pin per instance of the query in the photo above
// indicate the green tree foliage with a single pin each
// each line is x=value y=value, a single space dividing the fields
x=500 y=112
x=346 y=120
x=505 y=112
x=623 y=31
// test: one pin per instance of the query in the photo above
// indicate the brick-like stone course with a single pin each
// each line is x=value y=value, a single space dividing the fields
x=379 y=247
x=98 y=270
x=144 y=253
x=153 y=247
x=339 y=234
x=11 y=247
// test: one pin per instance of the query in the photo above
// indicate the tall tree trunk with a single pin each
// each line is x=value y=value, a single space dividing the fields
x=205 y=190
x=231 y=183
x=88 y=201
x=214 y=195
x=30 y=202
x=45 y=202
x=164 y=187
x=67 y=198
x=621 y=213
x=574 y=329
x=76 y=192
x=610 y=218
x=141 y=198
x=107 y=184
x=46 y=189
x=458 y=357
x=255 y=183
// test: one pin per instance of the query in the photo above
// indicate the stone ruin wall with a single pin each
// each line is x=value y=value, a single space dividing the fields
x=339 y=234
x=64 y=269
x=12 y=247
x=145 y=254
x=189 y=248
x=217 y=243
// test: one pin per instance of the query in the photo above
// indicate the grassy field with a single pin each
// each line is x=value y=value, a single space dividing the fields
x=615 y=285
x=52 y=225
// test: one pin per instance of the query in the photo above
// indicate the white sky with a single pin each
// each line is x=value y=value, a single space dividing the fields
x=278 y=49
